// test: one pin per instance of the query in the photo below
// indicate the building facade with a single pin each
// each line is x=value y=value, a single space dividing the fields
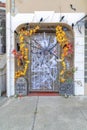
x=37 y=56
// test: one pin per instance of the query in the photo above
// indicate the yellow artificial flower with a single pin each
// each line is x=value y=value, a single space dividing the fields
x=62 y=80
x=22 y=46
x=27 y=61
x=62 y=72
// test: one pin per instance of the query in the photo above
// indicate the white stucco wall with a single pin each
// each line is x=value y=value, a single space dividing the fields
x=51 y=17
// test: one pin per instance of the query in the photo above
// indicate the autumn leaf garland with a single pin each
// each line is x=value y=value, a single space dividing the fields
x=22 y=55
x=66 y=49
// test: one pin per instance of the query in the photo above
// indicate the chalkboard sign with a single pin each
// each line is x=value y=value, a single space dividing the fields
x=66 y=88
x=21 y=86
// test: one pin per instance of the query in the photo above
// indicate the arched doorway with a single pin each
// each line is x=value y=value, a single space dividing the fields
x=51 y=56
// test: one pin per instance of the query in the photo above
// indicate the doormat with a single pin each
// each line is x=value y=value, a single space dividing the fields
x=43 y=94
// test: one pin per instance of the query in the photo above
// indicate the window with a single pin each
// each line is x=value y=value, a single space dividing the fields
x=2 y=36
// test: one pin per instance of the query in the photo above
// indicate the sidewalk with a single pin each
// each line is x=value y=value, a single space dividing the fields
x=44 y=113
x=3 y=99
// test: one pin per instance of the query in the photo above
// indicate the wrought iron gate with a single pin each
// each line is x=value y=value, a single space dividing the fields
x=44 y=67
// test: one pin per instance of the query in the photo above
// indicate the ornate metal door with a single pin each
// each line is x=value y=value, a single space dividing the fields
x=44 y=66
